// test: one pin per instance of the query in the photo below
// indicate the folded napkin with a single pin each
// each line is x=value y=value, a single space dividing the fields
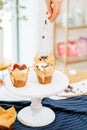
x=71 y=113
x=75 y=89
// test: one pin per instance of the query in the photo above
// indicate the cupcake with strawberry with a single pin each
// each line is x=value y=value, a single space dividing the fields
x=19 y=74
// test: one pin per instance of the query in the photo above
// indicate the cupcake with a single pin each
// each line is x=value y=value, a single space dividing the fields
x=44 y=72
x=19 y=75
x=7 y=118
x=5 y=64
x=50 y=59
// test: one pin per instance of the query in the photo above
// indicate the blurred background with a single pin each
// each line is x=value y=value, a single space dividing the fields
x=22 y=27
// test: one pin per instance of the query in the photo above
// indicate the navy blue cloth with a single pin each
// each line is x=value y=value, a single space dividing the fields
x=71 y=113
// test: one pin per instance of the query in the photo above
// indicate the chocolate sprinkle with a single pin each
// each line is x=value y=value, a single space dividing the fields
x=45 y=66
x=68 y=89
x=46 y=22
x=37 y=67
x=42 y=66
x=69 y=86
x=43 y=37
x=43 y=58
x=20 y=68
x=83 y=83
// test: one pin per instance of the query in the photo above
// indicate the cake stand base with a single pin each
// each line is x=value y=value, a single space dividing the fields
x=37 y=115
x=43 y=117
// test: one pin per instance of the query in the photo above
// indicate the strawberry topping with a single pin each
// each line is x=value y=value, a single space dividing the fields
x=15 y=66
x=21 y=67
x=24 y=66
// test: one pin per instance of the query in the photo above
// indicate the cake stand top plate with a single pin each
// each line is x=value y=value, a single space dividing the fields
x=35 y=90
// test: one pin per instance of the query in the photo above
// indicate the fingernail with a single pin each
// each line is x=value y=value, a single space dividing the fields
x=48 y=15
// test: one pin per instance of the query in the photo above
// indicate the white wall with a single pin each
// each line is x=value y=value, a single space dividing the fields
x=28 y=32
x=7 y=28
x=45 y=46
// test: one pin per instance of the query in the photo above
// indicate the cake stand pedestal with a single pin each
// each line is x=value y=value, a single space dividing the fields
x=37 y=115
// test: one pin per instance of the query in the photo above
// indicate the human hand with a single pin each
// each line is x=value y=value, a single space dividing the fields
x=53 y=9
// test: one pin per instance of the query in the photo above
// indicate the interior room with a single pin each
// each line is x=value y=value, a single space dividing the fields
x=43 y=64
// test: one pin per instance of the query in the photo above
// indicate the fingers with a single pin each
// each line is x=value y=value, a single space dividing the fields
x=56 y=11
x=49 y=8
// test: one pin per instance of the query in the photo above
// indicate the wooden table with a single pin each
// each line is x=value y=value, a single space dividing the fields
x=80 y=75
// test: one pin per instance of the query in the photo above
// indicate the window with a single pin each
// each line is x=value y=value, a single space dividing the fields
x=7 y=37
x=9 y=31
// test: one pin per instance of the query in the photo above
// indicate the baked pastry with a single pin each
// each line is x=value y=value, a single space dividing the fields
x=19 y=75
x=7 y=118
x=44 y=72
x=4 y=65
x=50 y=59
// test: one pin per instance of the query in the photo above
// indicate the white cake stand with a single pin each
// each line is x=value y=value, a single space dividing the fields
x=37 y=115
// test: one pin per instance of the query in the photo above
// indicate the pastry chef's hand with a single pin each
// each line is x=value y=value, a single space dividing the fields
x=53 y=9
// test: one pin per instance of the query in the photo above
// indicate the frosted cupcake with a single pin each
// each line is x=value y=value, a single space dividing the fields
x=19 y=75
x=7 y=118
x=50 y=59
x=44 y=72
